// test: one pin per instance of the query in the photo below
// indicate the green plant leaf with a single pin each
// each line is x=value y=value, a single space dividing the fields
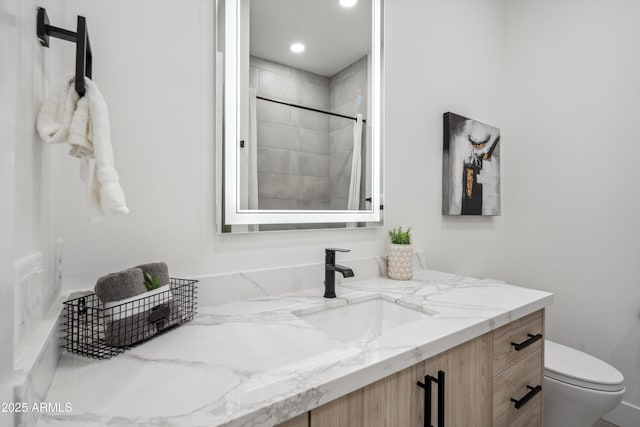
x=152 y=282
x=400 y=237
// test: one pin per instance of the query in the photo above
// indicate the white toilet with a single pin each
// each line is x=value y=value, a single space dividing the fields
x=578 y=388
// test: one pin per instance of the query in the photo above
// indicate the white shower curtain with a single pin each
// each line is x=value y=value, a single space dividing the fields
x=353 y=203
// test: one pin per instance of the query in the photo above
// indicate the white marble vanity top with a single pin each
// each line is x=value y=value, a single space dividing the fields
x=255 y=363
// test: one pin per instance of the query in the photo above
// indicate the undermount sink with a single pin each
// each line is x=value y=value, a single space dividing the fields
x=365 y=320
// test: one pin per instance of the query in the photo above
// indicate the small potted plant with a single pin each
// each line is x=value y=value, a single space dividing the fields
x=152 y=282
x=400 y=259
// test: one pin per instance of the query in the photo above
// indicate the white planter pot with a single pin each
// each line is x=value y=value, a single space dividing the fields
x=400 y=262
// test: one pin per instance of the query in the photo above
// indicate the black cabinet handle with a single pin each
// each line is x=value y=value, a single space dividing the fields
x=532 y=392
x=440 y=398
x=428 y=380
x=527 y=343
x=427 y=399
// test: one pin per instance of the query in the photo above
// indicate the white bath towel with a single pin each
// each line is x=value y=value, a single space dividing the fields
x=83 y=123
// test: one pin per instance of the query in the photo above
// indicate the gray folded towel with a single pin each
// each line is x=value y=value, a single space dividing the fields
x=120 y=285
x=133 y=329
x=156 y=269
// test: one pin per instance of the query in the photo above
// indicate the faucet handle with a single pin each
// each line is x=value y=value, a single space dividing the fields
x=330 y=254
x=334 y=250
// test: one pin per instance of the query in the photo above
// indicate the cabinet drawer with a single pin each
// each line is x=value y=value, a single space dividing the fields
x=516 y=383
x=523 y=331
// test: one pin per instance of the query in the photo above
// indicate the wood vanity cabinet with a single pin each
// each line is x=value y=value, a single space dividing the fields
x=301 y=420
x=518 y=372
x=484 y=379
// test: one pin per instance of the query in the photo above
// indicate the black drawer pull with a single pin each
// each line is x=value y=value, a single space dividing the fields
x=532 y=392
x=527 y=343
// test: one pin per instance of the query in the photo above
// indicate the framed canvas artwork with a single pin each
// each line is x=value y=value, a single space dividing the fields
x=470 y=167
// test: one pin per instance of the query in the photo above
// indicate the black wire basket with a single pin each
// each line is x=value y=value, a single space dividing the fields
x=100 y=331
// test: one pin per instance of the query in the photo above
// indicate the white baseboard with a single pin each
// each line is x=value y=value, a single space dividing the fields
x=625 y=415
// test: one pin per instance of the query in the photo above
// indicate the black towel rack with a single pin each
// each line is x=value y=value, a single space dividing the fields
x=84 y=58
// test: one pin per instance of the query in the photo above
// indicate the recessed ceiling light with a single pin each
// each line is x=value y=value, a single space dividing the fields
x=297 y=47
x=348 y=3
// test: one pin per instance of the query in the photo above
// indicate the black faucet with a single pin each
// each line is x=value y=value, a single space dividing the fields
x=330 y=268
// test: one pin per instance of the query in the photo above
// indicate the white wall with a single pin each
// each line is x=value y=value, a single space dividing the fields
x=567 y=76
x=572 y=216
x=8 y=71
x=35 y=162
x=25 y=171
x=441 y=56
x=558 y=77
x=159 y=87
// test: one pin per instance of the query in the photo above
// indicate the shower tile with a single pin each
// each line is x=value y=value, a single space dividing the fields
x=274 y=160
x=314 y=141
x=315 y=188
x=343 y=74
x=253 y=78
x=340 y=164
x=347 y=109
x=320 y=204
x=309 y=119
x=361 y=105
x=337 y=123
x=362 y=64
x=277 y=186
x=315 y=96
x=313 y=204
x=284 y=204
x=277 y=135
x=348 y=89
x=263 y=64
x=338 y=204
x=277 y=86
x=341 y=140
x=339 y=187
x=306 y=76
x=272 y=112
x=309 y=164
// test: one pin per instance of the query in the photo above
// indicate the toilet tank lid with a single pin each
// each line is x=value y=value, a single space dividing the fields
x=575 y=367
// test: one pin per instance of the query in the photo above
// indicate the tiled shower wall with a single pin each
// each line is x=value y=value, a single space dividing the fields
x=348 y=96
x=293 y=144
x=304 y=157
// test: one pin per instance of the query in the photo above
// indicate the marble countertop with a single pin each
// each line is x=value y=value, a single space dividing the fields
x=255 y=363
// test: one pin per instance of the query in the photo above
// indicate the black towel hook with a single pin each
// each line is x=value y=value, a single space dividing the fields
x=84 y=57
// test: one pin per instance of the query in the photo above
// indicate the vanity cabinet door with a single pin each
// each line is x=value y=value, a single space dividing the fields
x=467 y=381
x=394 y=401
x=301 y=420
x=343 y=412
x=398 y=401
